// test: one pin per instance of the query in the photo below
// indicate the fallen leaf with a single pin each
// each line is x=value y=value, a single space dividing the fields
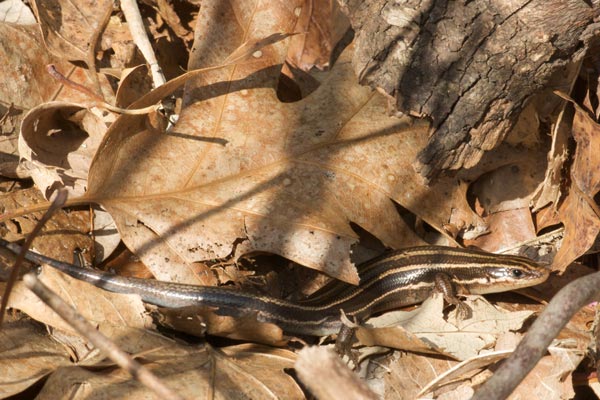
x=62 y=235
x=456 y=338
x=59 y=140
x=507 y=229
x=68 y=28
x=237 y=372
x=320 y=26
x=503 y=196
x=552 y=376
x=98 y=306
x=20 y=340
x=200 y=321
x=25 y=80
x=134 y=83
x=464 y=370
x=579 y=212
x=417 y=376
x=289 y=185
x=551 y=190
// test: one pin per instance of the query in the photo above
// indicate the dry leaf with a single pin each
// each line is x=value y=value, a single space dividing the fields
x=200 y=321
x=551 y=379
x=19 y=341
x=96 y=305
x=579 y=212
x=506 y=230
x=464 y=370
x=65 y=233
x=25 y=82
x=327 y=377
x=308 y=169
x=551 y=190
x=68 y=27
x=134 y=83
x=417 y=376
x=59 y=141
x=236 y=372
x=459 y=339
x=503 y=196
x=320 y=26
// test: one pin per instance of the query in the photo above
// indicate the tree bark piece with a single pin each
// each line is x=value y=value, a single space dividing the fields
x=468 y=65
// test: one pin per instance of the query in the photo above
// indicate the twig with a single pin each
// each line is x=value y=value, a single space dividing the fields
x=73 y=318
x=58 y=202
x=533 y=346
x=138 y=32
x=74 y=85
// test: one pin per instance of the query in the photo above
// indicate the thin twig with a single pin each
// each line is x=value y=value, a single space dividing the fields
x=73 y=85
x=138 y=32
x=76 y=320
x=58 y=202
x=533 y=346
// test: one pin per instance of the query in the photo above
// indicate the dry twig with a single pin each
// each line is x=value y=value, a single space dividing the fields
x=533 y=346
x=138 y=371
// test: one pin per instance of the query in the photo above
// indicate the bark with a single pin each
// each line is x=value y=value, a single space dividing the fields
x=468 y=65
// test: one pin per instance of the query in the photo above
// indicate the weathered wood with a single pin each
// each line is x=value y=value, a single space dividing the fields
x=469 y=66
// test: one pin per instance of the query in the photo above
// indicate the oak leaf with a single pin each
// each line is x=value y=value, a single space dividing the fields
x=284 y=178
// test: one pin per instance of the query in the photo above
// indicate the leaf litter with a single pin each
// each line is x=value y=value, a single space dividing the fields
x=242 y=167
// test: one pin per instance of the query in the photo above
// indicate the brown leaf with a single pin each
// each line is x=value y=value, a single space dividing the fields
x=551 y=191
x=200 y=321
x=251 y=47
x=237 y=372
x=134 y=83
x=409 y=373
x=306 y=168
x=416 y=376
x=503 y=194
x=321 y=25
x=463 y=370
x=545 y=381
x=189 y=194
x=430 y=332
x=68 y=27
x=327 y=377
x=26 y=82
x=579 y=212
x=96 y=305
x=61 y=236
x=506 y=230
x=20 y=370
x=59 y=141
x=168 y=12
x=552 y=377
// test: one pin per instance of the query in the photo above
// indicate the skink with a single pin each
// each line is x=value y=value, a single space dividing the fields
x=396 y=279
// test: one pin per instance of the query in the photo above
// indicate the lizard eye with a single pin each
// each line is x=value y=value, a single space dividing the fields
x=516 y=273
